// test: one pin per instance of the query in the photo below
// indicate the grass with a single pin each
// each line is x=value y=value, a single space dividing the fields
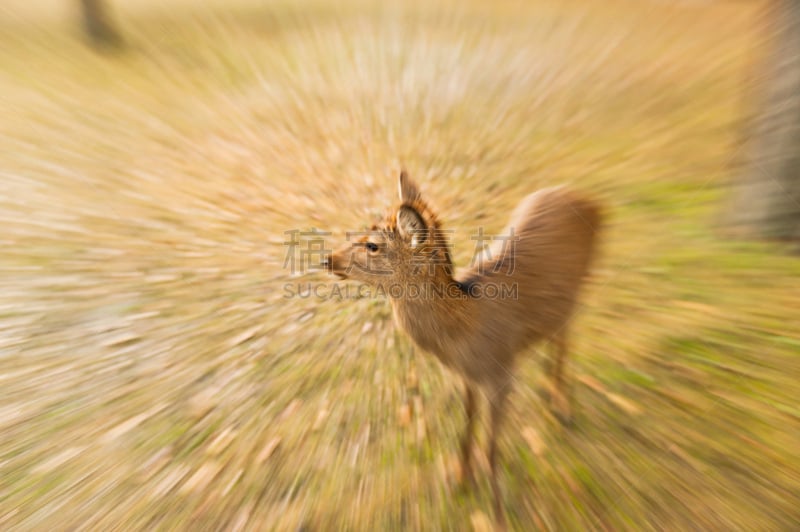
x=153 y=375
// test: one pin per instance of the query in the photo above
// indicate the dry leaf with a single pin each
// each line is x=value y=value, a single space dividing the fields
x=625 y=404
x=534 y=441
x=420 y=418
x=57 y=460
x=232 y=482
x=242 y=518
x=221 y=442
x=268 y=449
x=131 y=423
x=412 y=382
x=290 y=409
x=202 y=477
x=169 y=481
x=243 y=337
x=404 y=415
x=480 y=522
x=322 y=415
x=202 y=403
x=592 y=383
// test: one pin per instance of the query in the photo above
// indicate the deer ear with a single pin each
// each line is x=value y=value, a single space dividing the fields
x=408 y=189
x=411 y=226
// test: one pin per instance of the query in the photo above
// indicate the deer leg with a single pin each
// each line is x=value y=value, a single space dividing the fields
x=561 y=400
x=471 y=407
x=498 y=407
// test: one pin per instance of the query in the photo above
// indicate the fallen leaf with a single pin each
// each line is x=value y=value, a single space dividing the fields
x=420 y=418
x=268 y=449
x=480 y=522
x=404 y=415
x=232 y=482
x=202 y=477
x=221 y=442
x=592 y=383
x=534 y=441
x=202 y=403
x=322 y=415
x=290 y=409
x=412 y=382
x=243 y=337
x=625 y=404
x=123 y=427
x=242 y=518
x=120 y=338
x=169 y=481
x=57 y=460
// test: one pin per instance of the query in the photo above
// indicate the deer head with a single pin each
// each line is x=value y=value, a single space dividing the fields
x=407 y=247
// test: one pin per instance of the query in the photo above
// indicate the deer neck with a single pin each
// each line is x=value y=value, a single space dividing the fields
x=435 y=311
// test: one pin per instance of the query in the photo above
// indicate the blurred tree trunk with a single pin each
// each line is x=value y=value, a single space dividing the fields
x=98 y=24
x=767 y=200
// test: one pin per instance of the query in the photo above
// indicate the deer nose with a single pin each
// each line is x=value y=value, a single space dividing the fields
x=326 y=262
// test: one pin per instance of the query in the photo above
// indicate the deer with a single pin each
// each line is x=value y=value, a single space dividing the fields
x=451 y=316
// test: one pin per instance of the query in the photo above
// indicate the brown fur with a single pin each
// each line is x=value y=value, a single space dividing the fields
x=479 y=337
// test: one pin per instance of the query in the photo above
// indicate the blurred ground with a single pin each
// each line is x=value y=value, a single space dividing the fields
x=154 y=375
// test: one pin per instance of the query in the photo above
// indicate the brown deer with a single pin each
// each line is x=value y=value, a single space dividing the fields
x=533 y=283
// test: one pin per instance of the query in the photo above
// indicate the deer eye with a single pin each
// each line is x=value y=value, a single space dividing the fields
x=371 y=246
